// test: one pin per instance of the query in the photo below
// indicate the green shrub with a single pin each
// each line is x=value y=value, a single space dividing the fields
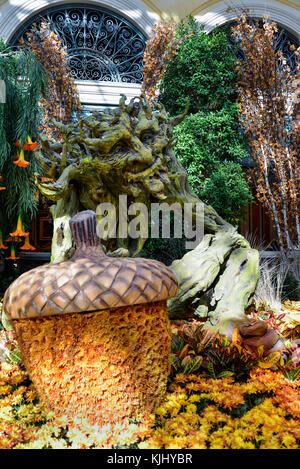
x=202 y=71
x=210 y=147
x=210 y=144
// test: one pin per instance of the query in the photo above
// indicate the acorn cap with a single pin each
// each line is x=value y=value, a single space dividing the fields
x=89 y=281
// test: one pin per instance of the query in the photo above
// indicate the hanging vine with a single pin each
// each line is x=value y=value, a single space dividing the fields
x=24 y=80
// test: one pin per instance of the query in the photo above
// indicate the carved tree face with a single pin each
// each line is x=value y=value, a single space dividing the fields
x=122 y=151
x=131 y=147
x=127 y=150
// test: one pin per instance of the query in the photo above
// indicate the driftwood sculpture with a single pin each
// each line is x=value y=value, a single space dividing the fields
x=129 y=151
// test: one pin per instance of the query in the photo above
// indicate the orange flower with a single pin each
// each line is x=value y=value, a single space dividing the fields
x=2 y=188
x=1 y=242
x=21 y=160
x=12 y=254
x=30 y=145
x=27 y=246
x=18 y=143
x=14 y=239
x=19 y=230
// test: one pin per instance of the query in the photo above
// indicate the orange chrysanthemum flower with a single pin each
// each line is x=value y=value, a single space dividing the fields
x=21 y=160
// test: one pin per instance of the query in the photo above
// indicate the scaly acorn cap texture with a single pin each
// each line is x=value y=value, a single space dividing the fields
x=89 y=281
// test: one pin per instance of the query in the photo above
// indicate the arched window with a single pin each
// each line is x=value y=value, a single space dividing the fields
x=102 y=46
x=283 y=40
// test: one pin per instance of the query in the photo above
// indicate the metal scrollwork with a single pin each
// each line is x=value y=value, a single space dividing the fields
x=101 y=45
x=282 y=41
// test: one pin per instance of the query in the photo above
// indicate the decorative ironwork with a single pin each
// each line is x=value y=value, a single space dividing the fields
x=283 y=40
x=101 y=45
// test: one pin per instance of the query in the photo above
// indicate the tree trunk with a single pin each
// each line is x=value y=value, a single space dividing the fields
x=62 y=212
x=216 y=282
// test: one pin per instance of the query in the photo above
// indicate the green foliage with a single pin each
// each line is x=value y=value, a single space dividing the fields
x=9 y=347
x=211 y=354
x=227 y=361
x=210 y=144
x=215 y=356
x=210 y=147
x=201 y=72
x=228 y=192
x=163 y=249
x=20 y=116
x=291 y=288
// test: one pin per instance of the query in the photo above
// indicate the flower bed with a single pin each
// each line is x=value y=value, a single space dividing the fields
x=201 y=413
x=253 y=402
x=198 y=412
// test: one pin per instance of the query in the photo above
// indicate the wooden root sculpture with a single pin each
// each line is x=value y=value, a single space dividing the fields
x=129 y=151
x=94 y=330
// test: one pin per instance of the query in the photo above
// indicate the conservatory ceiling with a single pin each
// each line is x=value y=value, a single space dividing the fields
x=180 y=8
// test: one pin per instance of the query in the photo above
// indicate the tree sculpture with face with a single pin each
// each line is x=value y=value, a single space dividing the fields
x=129 y=151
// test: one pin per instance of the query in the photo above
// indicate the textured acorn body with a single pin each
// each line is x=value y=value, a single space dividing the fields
x=94 y=331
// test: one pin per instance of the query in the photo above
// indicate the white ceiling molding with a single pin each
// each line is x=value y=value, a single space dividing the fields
x=104 y=93
x=284 y=15
x=14 y=13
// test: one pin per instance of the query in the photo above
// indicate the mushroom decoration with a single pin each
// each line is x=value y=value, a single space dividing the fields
x=257 y=333
x=93 y=331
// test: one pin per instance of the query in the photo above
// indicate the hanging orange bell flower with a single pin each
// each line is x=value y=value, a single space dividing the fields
x=19 y=230
x=1 y=242
x=30 y=145
x=27 y=246
x=15 y=239
x=2 y=188
x=18 y=143
x=12 y=254
x=21 y=160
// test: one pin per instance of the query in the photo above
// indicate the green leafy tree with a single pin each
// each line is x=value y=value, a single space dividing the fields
x=210 y=147
x=201 y=72
x=20 y=116
x=210 y=144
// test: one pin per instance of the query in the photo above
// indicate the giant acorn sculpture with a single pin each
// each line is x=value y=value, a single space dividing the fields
x=93 y=330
